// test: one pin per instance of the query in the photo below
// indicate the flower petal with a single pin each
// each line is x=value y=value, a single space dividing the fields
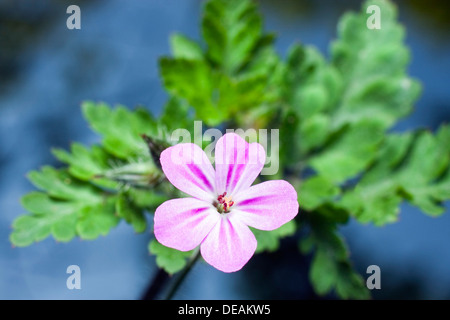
x=188 y=168
x=229 y=245
x=237 y=163
x=268 y=205
x=182 y=224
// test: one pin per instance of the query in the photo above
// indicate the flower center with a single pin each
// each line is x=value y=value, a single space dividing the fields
x=224 y=203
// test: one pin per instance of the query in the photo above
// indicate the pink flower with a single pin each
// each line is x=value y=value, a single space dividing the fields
x=223 y=203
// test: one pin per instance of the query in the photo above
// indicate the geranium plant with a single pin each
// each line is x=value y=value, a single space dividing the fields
x=338 y=158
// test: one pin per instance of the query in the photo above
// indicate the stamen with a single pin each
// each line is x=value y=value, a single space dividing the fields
x=224 y=203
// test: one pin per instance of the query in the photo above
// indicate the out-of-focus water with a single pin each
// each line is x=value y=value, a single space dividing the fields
x=46 y=70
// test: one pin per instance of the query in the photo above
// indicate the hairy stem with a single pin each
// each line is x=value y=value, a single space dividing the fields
x=181 y=276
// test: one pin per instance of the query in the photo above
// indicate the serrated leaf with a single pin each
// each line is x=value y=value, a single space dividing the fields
x=351 y=285
x=175 y=116
x=353 y=151
x=41 y=203
x=408 y=167
x=312 y=85
x=29 y=229
x=323 y=273
x=121 y=129
x=373 y=64
x=236 y=72
x=214 y=96
x=311 y=88
x=270 y=240
x=87 y=165
x=64 y=229
x=59 y=184
x=232 y=30
x=315 y=191
x=147 y=199
x=184 y=48
x=265 y=61
x=97 y=220
x=131 y=213
x=169 y=259
x=48 y=216
x=64 y=210
x=330 y=268
x=314 y=132
x=419 y=178
x=238 y=95
x=191 y=80
x=374 y=200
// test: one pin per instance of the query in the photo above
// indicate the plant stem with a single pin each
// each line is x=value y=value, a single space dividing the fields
x=158 y=282
x=182 y=275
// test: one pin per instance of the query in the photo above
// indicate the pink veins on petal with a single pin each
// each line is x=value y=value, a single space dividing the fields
x=223 y=203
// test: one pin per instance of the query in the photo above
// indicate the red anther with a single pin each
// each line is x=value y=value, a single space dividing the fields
x=224 y=203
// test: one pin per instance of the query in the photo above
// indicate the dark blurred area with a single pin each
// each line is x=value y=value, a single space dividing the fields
x=46 y=71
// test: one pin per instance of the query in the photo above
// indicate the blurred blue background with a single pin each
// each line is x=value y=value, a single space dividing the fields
x=46 y=71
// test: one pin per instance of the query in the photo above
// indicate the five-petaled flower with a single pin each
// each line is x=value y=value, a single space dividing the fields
x=223 y=204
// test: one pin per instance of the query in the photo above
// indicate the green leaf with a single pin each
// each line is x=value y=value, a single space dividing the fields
x=235 y=75
x=378 y=204
x=314 y=132
x=232 y=30
x=64 y=229
x=242 y=94
x=41 y=203
x=169 y=259
x=408 y=167
x=184 y=48
x=192 y=81
x=214 y=96
x=97 y=220
x=175 y=116
x=99 y=168
x=421 y=176
x=265 y=61
x=352 y=152
x=312 y=88
x=87 y=165
x=270 y=240
x=121 y=129
x=131 y=213
x=375 y=200
x=73 y=204
x=64 y=210
x=28 y=229
x=147 y=199
x=330 y=268
x=365 y=82
x=289 y=128
x=316 y=191
x=372 y=64
x=312 y=85
x=59 y=184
